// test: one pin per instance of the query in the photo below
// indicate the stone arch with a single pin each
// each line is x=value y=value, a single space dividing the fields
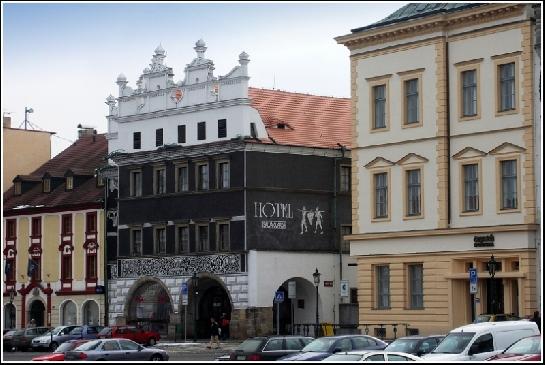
x=88 y=314
x=34 y=309
x=136 y=285
x=65 y=318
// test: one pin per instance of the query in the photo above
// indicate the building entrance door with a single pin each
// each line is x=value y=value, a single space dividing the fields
x=494 y=297
x=37 y=312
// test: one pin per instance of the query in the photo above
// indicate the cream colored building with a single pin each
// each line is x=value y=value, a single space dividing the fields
x=443 y=113
x=24 y=151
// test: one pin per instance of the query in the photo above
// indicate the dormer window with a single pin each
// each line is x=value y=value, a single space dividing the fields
x=69 y=183
x=46 y=184
x=17 y=188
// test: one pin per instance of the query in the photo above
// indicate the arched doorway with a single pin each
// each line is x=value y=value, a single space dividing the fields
x=69 y=313
x=37 y=312
x=302 y=308
x=150 y=307
x=90 y=313
x=9 y=316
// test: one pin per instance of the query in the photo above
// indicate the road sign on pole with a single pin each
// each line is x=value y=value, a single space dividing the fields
x=473 y=281
x=184 y=294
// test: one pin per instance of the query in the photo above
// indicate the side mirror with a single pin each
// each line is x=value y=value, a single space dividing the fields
x=140 y=348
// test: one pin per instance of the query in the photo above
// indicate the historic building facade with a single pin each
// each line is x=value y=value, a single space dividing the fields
x=443 y=147
x=230 y=192
x=53 y=240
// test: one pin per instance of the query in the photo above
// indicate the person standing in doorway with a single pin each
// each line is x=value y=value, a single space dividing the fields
x=214 y=333
x=224 y=323
x=32 y=323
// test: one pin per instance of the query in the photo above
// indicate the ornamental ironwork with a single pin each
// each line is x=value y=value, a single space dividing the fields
x=178 y=265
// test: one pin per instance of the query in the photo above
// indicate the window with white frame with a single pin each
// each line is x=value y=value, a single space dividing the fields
x=509 y=184
x=223 y=175
x=411 y=101
x=382 y=273
x=202 y=176
x=159 y=180
x=507 y=86
x=379 y=106
x=471 y=187
x=416 y=286
x=469 y=93
x=413 y=193
x=345 y=178
x=136 y=183
x=182 y=178
x=381 y=195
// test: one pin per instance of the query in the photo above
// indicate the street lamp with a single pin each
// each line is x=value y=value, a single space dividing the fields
x=195 y=292
x=11 y=296
x=316 y=277
x=492 y=271
x=27 y=111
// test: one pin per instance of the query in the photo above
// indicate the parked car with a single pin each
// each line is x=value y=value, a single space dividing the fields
x=525 y=349
x=478 y=342
x=7 y=344
x=52 y=339
x=360 y=356
x=496 y=318
x=22 y=339
x=322 y=347
x=131 y=333
x=84 y=332
x=268 y=348
x=415 y=345
x=58 y=354
x=113 y=349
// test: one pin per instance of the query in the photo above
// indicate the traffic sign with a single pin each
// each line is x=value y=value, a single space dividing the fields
x=279 y=297
x=473 y=281
x=184 y=294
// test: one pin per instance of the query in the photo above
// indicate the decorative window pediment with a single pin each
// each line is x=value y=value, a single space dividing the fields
x=468 y=152
x=506 y=148
x=379 y=162
x=411 y=158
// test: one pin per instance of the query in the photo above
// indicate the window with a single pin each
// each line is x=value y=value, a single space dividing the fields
x=509 y=184
x=10 y=270
x=17 y=188
x=69 y=183
x=181 y=134
x=379 y=106
x=160 y=241
x=346 y=177
x=393 y=357
x=353 y=295
x=413 y=193
x=182 y=178
x=223 y=236
x=136 y=242
x=66 y=267
x=383 y=286
x=202 y=238
x=381 y=195
x=158 y=137
x=36 y=227
x=483 y=344
x=416 y=291
x=136 y=140
x=136 y=183
x=253 y=130
x=274 y=344
x=91 y=222
x=345 y=244
x=507 y=86
x=223 y=175
x=222 y=128
x=128 y=345
x=47 y=185
x=159 y=180
x=91 y=266
x=11 y=226
x=202 y=176
x=182 y=239
x=66 y=227
x=469 y=93
x=411 y=101
x=471 y=188
x=378 y=357
x=201 y=131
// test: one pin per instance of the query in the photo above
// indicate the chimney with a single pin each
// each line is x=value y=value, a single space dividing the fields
x=7 y=121
x=85 y=131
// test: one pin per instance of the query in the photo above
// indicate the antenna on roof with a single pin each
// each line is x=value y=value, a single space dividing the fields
x=274 y=81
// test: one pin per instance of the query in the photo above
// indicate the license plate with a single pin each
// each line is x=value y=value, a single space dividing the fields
x=241 y=357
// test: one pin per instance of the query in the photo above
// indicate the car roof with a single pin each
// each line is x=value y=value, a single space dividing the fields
x=482 y=326
x=418 y=337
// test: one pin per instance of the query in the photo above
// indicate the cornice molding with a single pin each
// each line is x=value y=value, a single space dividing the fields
x=506 y=147
x=465 y=151
x=378 y=162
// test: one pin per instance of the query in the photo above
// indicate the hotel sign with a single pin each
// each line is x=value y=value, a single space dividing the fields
x=483 y=241
x=275 y=215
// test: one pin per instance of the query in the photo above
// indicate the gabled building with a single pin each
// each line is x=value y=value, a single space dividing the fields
x=226 y=194
x=444 y=146
x=53 y=225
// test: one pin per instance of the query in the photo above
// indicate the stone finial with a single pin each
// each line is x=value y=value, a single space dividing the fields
x=200 y=48
x=243 y=58
x=121 y=78
x=159 y=49
x=110 y=99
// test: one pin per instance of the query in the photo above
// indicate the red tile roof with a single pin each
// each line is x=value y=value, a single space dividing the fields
x=309 y=120
x=86 y=154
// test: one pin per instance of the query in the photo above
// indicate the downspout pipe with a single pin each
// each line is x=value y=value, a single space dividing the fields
x=447 y=77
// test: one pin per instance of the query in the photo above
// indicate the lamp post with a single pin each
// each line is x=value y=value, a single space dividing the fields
x=27 y=111
x=316 y=277
x=195 y=293
x=492 y=271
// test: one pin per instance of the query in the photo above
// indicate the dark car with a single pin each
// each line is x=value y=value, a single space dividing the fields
x=84 y=332
x=496 y=318
x=137 y=334
x=51 y=340
x=415 y=345
x=113 y=349
x=22 y=339
x=268 y=348
x=7 y=343
x=322 y=347
x=58 y=354
x=525 y=349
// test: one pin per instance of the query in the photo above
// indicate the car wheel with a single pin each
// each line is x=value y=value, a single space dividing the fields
x=152 y=342
x=156 y=357
x=53 y=346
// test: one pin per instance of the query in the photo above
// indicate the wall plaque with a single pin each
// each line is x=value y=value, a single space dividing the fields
x=483 y=241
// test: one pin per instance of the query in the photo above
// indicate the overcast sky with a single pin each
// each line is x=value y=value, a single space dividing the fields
x=62 y=59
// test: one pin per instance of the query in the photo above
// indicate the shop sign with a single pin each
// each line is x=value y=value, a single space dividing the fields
x=483 y=241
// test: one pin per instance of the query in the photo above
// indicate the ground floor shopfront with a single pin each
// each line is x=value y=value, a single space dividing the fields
x=422 y=281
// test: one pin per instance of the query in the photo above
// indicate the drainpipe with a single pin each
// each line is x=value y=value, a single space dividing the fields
x=447 y=76
x=105 y=261
x=337 y=238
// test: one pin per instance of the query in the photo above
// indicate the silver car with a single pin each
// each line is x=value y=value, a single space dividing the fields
x=52 y=339
x=114 y=349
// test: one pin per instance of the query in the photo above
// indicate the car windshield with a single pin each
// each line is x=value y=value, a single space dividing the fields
x=526 y=346
x=250 y=345
x=343 y=357
x=482 y=318
x=454 y=343
x=403 y=345
x=89 y=346
x=319 y=345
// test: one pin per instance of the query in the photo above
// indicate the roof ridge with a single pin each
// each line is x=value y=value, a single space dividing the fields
x=298 y=93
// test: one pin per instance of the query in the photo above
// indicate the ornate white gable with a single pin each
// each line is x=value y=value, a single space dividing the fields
x=468 y=152
x=379 y=162
x=506 y=148
x=411 y=158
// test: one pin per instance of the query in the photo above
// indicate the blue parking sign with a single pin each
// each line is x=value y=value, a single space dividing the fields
x=472 y=275
x=279 y=297
x=184 y=288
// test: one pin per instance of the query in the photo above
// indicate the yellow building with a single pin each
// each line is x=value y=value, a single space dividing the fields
x=24 y=151
x=444 y=166
x=54 y=240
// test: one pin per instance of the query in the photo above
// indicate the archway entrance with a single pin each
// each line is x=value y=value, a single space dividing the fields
x=90 y=313
x=302 y=308
x=9 y=316
x=37 y=312
x=150 y=307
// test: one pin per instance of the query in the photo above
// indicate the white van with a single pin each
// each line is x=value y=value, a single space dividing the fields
x=477 y=342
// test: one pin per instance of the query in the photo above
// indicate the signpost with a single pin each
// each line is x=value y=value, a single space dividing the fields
x=473 y=290
x=278 y=298
x=292 y=296
x=344 y=288
x=184 y=303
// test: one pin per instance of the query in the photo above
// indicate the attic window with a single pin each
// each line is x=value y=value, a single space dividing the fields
x=69 y=183
x=46 y=185
x=17 y=188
